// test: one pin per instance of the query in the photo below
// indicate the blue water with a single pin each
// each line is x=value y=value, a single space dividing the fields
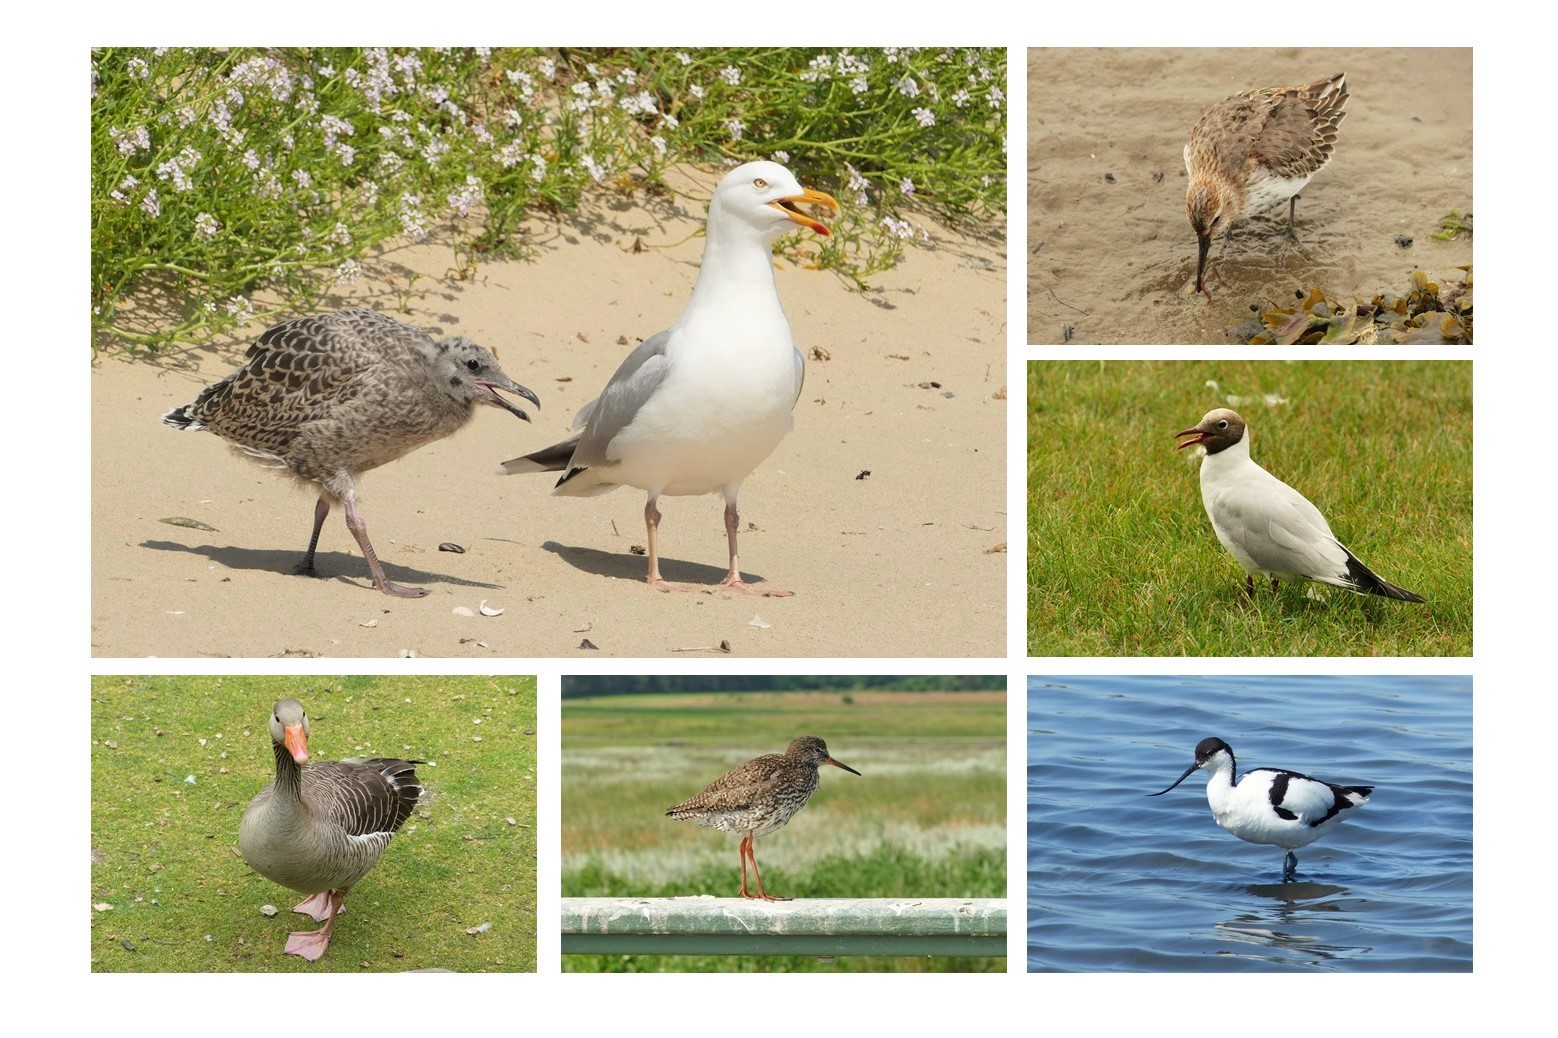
x=1121 y=881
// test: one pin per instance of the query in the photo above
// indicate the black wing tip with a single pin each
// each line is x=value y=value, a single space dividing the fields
x=1366 y=581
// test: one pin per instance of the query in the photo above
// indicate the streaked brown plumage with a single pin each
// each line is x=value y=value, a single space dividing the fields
x=321 y=826
x=331 y=396
x=759 y=797
x=1256 y=149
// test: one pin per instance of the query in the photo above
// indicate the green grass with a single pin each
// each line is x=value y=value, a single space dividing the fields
x=175 y=760
x=1123 y=561
x=926 y=817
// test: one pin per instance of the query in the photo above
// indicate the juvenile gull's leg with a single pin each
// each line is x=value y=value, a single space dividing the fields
x=321 y=509
x=354 y=523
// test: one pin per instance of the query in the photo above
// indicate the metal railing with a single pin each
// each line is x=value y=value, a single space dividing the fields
x=808 y=926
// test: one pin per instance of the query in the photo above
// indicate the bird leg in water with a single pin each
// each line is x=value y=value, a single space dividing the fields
x=354 y=523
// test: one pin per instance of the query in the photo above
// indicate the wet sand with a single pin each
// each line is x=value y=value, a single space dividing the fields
x=1114 y=262
x=907 y=561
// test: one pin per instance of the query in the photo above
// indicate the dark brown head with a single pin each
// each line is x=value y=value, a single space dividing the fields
x=813 y=751
x=1218 y=431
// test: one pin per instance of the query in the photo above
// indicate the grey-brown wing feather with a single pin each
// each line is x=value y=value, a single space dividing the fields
x=299 y=370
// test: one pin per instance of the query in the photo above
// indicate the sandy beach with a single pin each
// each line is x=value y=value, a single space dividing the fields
x=1111 y=255
x=907 y=384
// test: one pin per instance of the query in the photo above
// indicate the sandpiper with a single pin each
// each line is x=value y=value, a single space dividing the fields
x=1269 y=805
x=1254 y=150
x=759 y=797
x=331 y=396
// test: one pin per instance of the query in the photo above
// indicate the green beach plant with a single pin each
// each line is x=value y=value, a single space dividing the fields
x=231 y=185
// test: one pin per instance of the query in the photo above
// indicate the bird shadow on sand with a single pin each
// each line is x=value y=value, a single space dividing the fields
x=634 y=567
x=335 y=565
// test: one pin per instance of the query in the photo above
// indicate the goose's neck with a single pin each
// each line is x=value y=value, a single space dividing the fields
x=289 y=776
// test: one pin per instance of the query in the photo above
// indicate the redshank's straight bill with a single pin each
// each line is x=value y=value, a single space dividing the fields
x=697 y=407
x=328 y=397
x=1269 y=805
x=759 y=797
x=1254 y=150
x=1270 y=528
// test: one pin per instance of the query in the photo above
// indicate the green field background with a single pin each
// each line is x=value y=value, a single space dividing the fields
x=925 y=818
x=175 y=760
x=1122 y=559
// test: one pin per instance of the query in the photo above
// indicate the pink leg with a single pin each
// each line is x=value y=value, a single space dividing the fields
x=733 y=581
x=354 y=523
x=316 y=905
x=652 y=528
x=311 y=944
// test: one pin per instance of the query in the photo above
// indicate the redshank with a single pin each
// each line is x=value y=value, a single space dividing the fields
x=331 y=396
x=759 y=797
x=1256 y=149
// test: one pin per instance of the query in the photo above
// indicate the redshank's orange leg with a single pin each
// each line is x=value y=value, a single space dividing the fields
x=761 y=893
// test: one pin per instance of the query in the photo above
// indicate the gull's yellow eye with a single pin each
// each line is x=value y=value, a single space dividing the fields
x=759 y=183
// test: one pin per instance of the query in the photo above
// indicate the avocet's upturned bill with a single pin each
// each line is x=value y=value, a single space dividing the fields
x=1270 y=805
x=1270 y=528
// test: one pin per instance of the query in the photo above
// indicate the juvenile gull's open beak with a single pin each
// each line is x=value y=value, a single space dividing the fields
x=491 y=389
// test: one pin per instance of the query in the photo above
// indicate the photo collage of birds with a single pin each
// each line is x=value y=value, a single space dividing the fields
x=1222 y=380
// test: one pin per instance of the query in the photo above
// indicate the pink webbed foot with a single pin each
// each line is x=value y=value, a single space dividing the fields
x=316 y=905
x=742 y=587
x=308 y=944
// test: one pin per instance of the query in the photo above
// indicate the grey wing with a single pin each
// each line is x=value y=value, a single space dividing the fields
x=1281 y=530
x=634 y=382
x=800 y=377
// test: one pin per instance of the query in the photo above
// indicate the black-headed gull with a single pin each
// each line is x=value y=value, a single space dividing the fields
x=1268 y=526
x=697 y=407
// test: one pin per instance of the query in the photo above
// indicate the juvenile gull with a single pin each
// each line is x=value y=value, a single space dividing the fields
x=321 y=826
x=331 y=396
x=697 y=407
x=759 y=797
x=1268 y=526
x=1254 y=150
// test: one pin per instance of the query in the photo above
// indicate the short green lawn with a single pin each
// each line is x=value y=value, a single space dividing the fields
x=925 y=818
x=1122 y=559
x=175 y=760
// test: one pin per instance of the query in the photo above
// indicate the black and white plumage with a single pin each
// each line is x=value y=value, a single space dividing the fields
x=321 y=826
x=1270 y=805
x=759 y=797
x=700 y=405
x=1270 y=528
x=330 y=396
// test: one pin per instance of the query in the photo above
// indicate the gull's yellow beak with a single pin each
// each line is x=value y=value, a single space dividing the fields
x=807 y=197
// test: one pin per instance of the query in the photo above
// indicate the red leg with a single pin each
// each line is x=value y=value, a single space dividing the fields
x=761 y=893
